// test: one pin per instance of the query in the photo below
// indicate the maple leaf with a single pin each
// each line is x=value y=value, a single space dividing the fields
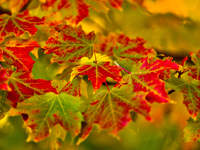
x=18 y=24
x=145 y=77
x=123 y=50
x=121 y=46
x=192 y=130
x=70 y=45
x=191 y=93
x=45 y=111
x=13 y=5
x=190 y=89
x=111 y=110
x=4 y=80
x=24 y=86
x=195 y=70
x=16 y=52
x=97 y=72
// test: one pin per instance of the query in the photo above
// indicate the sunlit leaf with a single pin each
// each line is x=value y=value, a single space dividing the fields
x=98 y=72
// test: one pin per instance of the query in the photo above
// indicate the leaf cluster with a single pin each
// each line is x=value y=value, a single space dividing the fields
x=112 y=76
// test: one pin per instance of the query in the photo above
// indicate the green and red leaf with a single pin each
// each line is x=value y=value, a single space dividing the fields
x=70 y=45
x=71 y=88
x=111 y=110
x=46 y=111
x=191 y=93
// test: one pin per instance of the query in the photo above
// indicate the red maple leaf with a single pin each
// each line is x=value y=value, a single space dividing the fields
x=97 y=72
x=24 y=86
x=18 y=25
x=145 y=77
x=16 y=52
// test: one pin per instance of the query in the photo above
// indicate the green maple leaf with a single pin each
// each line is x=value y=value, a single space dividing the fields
x=45 y=111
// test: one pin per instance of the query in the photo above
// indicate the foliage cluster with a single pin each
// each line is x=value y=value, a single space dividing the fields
x=126 y=77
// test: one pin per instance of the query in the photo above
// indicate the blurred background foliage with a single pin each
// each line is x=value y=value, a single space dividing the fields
x=171 y=27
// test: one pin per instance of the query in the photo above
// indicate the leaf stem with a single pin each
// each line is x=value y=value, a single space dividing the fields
x=62 y=88
x=122 y=68
x=107 y=86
